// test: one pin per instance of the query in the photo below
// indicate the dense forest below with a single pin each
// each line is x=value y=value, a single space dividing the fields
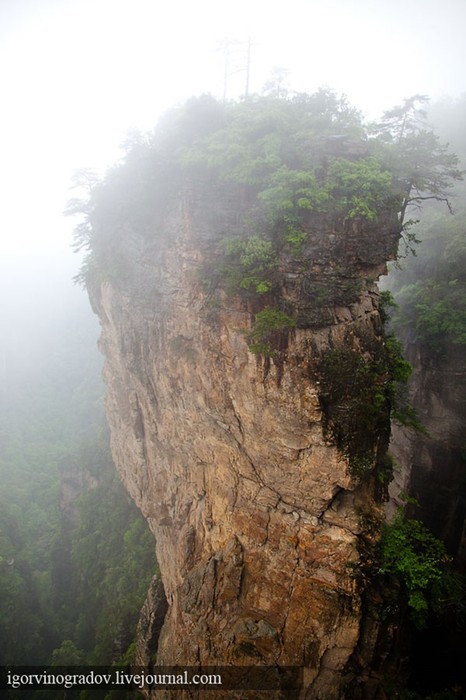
x=76 y=556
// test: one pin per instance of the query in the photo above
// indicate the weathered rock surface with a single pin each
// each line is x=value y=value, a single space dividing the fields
x=254 y=510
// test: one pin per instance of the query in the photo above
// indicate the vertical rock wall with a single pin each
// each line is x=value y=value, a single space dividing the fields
x=431 y=466
x=256 y=516
x=430 y=471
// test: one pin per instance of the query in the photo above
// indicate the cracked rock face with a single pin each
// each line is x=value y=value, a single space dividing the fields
x=254 y=511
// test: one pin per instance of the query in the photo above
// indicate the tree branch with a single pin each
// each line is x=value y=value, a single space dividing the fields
x=420 y=198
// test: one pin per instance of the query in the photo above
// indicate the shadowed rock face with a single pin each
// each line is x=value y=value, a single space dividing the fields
x=254 y=510
x=432 y=466
x=431 y=471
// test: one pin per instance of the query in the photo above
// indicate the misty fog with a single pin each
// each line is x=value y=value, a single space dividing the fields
x=78 y=76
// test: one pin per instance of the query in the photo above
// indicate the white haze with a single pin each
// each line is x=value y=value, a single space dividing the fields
x=76 y=75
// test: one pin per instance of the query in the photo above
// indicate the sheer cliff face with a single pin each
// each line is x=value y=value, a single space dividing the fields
x=254 y=510
x=432 y=465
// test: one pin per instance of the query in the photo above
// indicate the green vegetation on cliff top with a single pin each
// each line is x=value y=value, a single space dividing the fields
x=282 y=163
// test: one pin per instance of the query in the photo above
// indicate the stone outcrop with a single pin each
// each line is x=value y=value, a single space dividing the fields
x=256 y=515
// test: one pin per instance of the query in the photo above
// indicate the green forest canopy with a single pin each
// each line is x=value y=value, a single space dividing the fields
x=430 y=288
x=76 y=556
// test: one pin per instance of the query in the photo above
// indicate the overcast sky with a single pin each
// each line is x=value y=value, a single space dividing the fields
x=75 y=75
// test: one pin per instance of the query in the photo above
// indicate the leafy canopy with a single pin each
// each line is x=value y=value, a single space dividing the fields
x=410 y=552
x=423 y=167
x=269 y=325
x=430 y=288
